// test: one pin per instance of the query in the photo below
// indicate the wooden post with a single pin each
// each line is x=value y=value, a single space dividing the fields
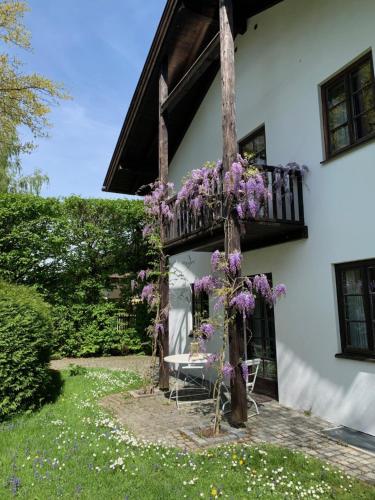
x=232 y=229
x=164 y=279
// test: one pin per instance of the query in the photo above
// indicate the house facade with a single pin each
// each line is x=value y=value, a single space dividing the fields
x=305 y=93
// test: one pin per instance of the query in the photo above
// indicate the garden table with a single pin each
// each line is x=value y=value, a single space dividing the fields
x=187 y=362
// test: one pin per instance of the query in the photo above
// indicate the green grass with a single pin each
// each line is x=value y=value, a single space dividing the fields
x=72 y=449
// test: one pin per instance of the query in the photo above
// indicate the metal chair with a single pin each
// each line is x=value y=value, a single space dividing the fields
x=252 y=373
x=193 y=383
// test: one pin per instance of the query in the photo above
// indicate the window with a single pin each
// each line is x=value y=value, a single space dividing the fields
x=349 y=107
x=255 y=143
x=356 y=300
x=200 y=307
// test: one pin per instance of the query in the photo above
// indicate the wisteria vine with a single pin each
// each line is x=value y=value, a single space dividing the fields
x=244 y=191
x=236 y=295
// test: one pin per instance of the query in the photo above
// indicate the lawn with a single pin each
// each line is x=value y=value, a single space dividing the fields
x=72 y=449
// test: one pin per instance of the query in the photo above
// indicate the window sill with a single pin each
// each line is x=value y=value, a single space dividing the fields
x=355 y=357
x=347 y=149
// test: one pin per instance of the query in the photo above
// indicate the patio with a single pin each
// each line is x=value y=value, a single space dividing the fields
x=172 y=426
x=276 y=424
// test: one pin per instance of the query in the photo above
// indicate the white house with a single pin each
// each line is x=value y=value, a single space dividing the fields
x=305 y=93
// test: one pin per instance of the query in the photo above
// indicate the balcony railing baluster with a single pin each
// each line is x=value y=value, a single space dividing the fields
x=292 y=179
x=284 y=206
x=283 y=191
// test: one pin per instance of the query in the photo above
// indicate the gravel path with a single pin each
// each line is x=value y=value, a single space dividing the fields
x=138 y=364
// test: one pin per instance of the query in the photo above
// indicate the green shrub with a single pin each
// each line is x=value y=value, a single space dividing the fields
x=25 y=340
x=75 y=370
x=67 y=322
x=91 y=330
x=68 y=249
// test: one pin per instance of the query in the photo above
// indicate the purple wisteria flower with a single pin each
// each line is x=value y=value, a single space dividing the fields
x=155 y=204
x=199 y=186
x=196 y=203
x=262 y=286
x=142 y=275
x=205 y=284
x=207 y=329
x=244 y=303
x=211 y=359
x=234 y=260
x=183 y=193
x=240 y=211
x=233 y=177
x=215 y=260
x=228 y=370
x=148 y=294
x=248 y=283
x=278 y=291
x=219 y=303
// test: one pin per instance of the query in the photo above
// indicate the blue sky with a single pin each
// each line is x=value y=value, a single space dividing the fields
x=97 y=48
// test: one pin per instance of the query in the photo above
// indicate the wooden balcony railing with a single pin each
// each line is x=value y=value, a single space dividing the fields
x=283 y=208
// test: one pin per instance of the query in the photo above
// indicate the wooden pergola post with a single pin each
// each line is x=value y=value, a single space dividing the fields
x=232 y=229
x=164 y=279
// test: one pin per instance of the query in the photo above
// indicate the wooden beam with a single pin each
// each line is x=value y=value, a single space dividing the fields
x=232 y=230
x=210 y=54
x=164 y=279
x=163 y=131
x=142 y=88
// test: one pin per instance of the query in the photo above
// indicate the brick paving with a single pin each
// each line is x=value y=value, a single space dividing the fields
x=157 y=420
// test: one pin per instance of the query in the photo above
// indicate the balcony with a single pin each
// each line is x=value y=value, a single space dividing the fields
x=280 y=220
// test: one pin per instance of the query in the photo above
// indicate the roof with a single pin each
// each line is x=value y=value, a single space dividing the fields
x=185 y=29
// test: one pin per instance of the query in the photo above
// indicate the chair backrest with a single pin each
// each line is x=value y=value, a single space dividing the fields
x=252 y=372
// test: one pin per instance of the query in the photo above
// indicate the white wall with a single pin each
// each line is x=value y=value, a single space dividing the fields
x=298 y=44
x=185 y=268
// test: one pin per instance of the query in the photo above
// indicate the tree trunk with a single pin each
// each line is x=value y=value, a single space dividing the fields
x=232 y=229
x=164 y=279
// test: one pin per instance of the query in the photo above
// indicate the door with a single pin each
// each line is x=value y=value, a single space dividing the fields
x=261 y=343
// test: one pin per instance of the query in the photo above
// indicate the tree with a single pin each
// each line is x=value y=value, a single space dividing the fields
x=25 y=101
x=67 y=250
x=12 y=179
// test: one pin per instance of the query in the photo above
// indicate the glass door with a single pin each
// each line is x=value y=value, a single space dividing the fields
x=261 y=343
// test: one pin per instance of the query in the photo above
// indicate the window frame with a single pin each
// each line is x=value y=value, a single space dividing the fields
x=364 y=265
x=344 y=74
x=251 y=136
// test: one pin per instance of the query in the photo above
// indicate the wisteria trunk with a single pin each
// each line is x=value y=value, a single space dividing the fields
x=235 y=337
x=232 y=230
x=163 y=335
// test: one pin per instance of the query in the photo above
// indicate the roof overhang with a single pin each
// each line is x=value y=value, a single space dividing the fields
x=185 y=29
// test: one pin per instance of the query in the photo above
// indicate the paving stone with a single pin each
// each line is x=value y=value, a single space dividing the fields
x=157 y=420
x=292 y=430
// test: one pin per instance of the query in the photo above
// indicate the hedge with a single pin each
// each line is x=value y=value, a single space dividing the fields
x=25 y=341
x=67 y=249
